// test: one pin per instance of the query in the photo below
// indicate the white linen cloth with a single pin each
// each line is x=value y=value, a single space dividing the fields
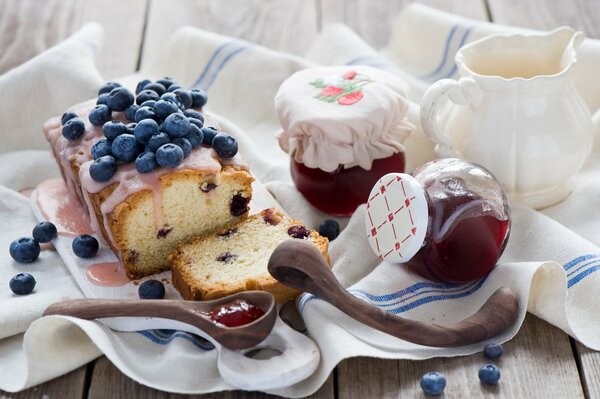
x=551 y=259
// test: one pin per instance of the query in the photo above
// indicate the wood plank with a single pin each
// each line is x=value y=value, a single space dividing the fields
x=108 y=382
x=583 y=15
x=373 y=20
x=537 y=363
x=72 y=385
x=28 y=27
x=284 y=25
x=589 y=369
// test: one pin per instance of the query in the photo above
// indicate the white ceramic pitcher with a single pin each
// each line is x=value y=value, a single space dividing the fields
x=524 y=119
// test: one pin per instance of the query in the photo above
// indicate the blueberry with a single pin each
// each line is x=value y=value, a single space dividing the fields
x=433 y=383
x=190 y=113
x=146 y=95
x=199 y=123
x=144 y=130
x=66 y=116
x=169 y=155
x=166 y=82
x=99 y=115
x=44 y=232
x=185 y=96
x=489 y=374
x=141 y=85
x=174 y=87
x=108 y=87
x=146 y=162
x=131 y=127
x=157 y=141
x=145 y=113
x=102 y=99
x=148 y=103
x=157 y=88
x=225 y=146
x=101 y=148
x=85 y=246
x=177 y=125
x=103 y=168
x=195 y=135
x=209 y=135
x=330 y=229
x=126 y=148
x=151 y=289
x=113 y=129
x=493 y=351
x=120 y=98
x=199 y=98
x=170 y=97
x=164 y=108
x=130 y=112
x=25 y=249
x=73 y=129
x=22 y=284
x=185 y=145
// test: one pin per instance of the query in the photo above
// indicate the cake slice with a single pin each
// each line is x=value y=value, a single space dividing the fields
x=235 y=259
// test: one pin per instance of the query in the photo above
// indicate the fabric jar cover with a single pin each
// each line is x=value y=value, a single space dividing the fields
x=342 y=115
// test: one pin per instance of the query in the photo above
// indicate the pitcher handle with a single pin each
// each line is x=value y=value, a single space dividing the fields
x=462 y=92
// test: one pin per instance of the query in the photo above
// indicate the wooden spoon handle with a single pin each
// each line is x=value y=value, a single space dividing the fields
x=300 y=265
x=90 y=309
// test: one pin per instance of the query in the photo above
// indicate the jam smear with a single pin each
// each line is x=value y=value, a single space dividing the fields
x=341 y=191
x=236 y=313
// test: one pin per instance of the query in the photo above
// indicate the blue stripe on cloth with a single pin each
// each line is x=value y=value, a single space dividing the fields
x=405 y=291
x=215 y=73
x=164 y=337
x=462 y=42
x=582 y=266
x=472 y=287
x=581 y=276
x=442 y=63
x=212 y=59
x=578 y=260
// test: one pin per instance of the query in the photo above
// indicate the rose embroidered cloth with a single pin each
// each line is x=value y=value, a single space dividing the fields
x=551 y=259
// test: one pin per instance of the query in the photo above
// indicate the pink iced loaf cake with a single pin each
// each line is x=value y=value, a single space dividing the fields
x=151 y=171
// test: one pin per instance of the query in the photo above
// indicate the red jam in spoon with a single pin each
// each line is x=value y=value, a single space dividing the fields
x=236 y=313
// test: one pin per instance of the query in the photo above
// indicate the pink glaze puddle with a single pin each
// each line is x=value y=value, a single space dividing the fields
x=109 y=274
x=60 y=206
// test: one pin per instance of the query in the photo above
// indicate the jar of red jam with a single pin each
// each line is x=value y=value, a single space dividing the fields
x=448 y=222
x=344 y=128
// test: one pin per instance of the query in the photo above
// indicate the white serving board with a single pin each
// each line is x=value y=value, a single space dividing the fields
x=261 y=199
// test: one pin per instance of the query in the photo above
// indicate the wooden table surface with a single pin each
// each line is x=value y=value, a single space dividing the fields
x=540 y=362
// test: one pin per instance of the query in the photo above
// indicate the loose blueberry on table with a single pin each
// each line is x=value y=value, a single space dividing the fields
x=493 y=351
x=151 y=289
x=85 y=246
x=489 y=374
x=433 y=383
x=44 y=232
x=329 y=229
x=22 y=284
x=24 y=250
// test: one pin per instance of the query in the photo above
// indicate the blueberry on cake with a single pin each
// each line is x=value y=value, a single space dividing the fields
x=235 y=259
x=145 y=168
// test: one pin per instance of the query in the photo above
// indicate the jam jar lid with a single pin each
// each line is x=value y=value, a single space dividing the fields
x=397 y=217
x=342 y=115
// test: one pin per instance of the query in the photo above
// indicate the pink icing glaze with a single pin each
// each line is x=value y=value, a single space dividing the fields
x=128 y=179
x=109 y=274
x=60 y=205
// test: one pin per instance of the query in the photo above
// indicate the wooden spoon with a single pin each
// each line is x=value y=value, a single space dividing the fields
x=189 y=312
x=300 y=265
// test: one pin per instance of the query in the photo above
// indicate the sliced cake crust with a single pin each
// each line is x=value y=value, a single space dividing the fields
x=235 y=259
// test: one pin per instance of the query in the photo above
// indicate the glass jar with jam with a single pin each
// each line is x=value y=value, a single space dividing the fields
x=344 y=128
x=448 y=222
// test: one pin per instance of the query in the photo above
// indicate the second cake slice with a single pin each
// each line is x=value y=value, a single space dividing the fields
x=235 y=259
